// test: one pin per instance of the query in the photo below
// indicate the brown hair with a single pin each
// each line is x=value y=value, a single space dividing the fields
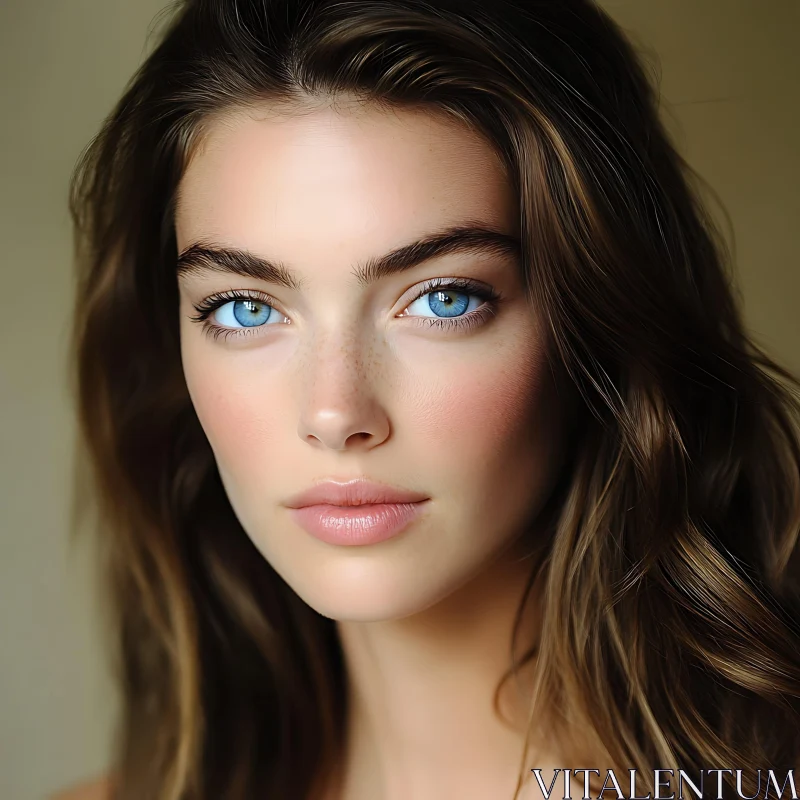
x=670 y=636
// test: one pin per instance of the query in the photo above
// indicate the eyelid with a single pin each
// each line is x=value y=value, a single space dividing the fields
x=466 y=285
x=210 y=304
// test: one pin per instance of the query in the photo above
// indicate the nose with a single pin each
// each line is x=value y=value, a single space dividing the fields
x=339 y=407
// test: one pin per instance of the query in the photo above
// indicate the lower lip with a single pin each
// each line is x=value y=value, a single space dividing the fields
x=351 y=525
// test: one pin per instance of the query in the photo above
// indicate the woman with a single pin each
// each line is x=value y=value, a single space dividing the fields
x=438 y=259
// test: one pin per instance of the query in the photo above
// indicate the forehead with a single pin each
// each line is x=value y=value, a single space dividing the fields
x=347 y=180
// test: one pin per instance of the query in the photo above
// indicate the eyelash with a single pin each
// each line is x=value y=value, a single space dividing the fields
x=490 y=297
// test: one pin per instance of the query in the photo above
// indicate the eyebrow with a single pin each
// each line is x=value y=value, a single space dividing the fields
x=465 y=238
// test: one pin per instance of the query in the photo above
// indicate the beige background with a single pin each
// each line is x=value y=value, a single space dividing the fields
x=729 y=76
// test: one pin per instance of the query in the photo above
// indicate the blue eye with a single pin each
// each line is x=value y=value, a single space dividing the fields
x=454 y=303
x=444 y=303
x=246 y=312
x=236 y=313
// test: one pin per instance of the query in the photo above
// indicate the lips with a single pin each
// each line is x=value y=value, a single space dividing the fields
x=365 y=524
x=359 y=491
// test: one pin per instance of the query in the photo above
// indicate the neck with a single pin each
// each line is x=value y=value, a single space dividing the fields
x=421 y=719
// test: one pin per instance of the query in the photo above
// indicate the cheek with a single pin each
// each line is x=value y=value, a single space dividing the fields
x=485 y=420
x=473 y=418
x=488 y=438
x=241 y=414
x=487 y=415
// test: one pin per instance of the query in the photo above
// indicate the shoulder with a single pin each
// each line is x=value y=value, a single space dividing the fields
x=98 y=788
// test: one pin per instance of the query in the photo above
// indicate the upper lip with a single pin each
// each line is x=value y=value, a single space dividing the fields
x=359 y=491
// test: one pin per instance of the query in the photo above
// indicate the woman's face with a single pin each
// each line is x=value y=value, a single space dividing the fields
x=326 y=376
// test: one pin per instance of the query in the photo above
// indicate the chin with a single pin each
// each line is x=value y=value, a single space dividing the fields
x=361 y=591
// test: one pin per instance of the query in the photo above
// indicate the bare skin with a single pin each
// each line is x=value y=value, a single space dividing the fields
x=346 y=380
x=343 y=380
x=99 y=788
